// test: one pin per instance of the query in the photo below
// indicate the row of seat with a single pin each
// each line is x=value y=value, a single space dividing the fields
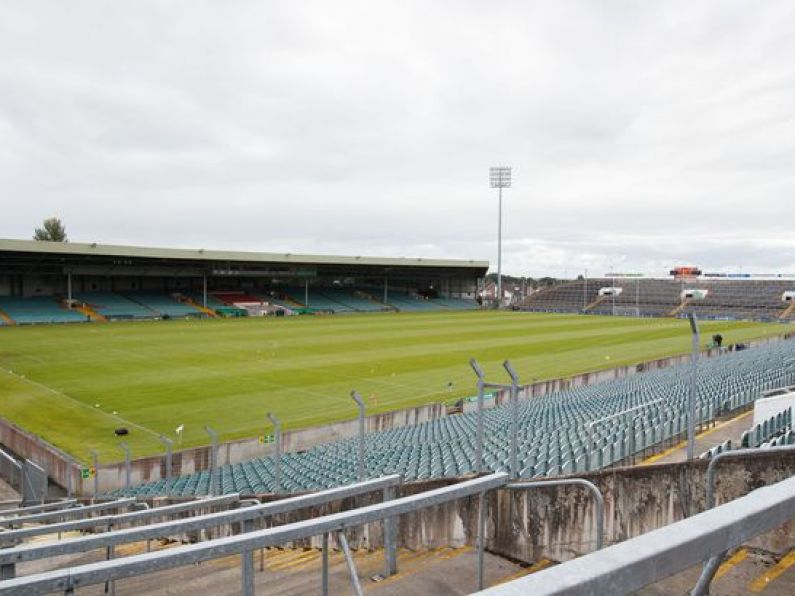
x=37 y=309
x=725 y=299
x=579 y=429
x=763 y=431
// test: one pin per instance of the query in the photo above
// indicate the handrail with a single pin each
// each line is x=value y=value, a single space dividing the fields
x=713 y=563
x=30 y=552
x=66 y=513
x=600 y=513
x=109 y=521
x=64 y=504
x=630 y=565
x=65 y=580
x=597 y=494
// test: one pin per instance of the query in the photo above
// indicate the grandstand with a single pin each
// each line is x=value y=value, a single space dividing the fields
x=553 y=431
x=48 y=282
x=724 y=299
x=35 y=310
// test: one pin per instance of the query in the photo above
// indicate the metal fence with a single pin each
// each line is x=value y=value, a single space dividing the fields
x=67 y=580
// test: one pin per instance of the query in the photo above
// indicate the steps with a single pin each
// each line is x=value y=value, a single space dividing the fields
x=208 y=311
x=785 y=314
x=373 y=299
x=679 y=308
x=6 y=319
x=595 y=303
x=90 y=313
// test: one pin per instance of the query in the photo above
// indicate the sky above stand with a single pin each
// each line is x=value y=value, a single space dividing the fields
x=643 y=135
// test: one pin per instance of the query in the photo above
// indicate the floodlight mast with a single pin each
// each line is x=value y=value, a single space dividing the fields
x=499 y=178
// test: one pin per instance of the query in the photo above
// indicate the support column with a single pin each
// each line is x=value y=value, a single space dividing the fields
x=390 y=537
x=247 y=564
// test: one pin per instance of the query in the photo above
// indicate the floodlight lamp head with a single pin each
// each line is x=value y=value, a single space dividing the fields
x=500 y=177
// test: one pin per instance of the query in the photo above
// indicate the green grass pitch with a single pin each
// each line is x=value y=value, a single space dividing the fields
x=73 y=385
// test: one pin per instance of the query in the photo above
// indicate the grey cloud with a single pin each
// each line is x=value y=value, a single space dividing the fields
x=642 y=134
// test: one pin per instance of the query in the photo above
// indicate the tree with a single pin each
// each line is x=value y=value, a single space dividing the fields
x=52 y=230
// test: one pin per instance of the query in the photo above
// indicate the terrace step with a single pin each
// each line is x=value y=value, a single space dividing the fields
x=594 y=303
x=679 y=308
x=90 y=313
x=208 y=311
x=8 y=320
x=785 y=314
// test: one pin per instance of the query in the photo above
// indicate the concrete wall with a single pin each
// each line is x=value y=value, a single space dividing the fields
x=558 y=523
x=59 y=466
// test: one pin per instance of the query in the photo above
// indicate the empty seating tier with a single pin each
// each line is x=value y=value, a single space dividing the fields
x=555 y=431
x=724 y=299
x=37 y=309
x=163 y=304
x=114 y=306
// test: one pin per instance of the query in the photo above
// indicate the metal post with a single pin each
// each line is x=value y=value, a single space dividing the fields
x=69 y=288
x=277 y=460
x=95 y=456
x=357 y=587
x=691 y=402
x=514 y=419
x=481 y=538
x=247 y=564
x=69 y=470
x=324 y=570
x=499 y=178
x=361 y=470
x=169 y=447
x=127 y=467
x=499 y=253
x=306 y=292
x=110 y=586
x=386 y=290
x=204 y=290
x=585 y=291
x=390 y=537
x=479 y=438
x=213 y=458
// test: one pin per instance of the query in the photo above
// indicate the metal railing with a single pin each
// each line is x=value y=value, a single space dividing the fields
x=630 y=565
x=66 y=580
x=713 y=563
x=598 y=500
x=73 y=513
x=16 y=512
x=9 y=557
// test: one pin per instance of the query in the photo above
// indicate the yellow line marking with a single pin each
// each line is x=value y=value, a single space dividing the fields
x=658 y=456
x=309 y=555
x=727 y=565
x=425 y=560
x=761 y=582
x=542 y=564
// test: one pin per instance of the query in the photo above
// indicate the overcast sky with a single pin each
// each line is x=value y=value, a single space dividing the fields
x=642 y=134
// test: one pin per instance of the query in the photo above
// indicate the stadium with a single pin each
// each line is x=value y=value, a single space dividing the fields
x=198 y=381
x=397 y=298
